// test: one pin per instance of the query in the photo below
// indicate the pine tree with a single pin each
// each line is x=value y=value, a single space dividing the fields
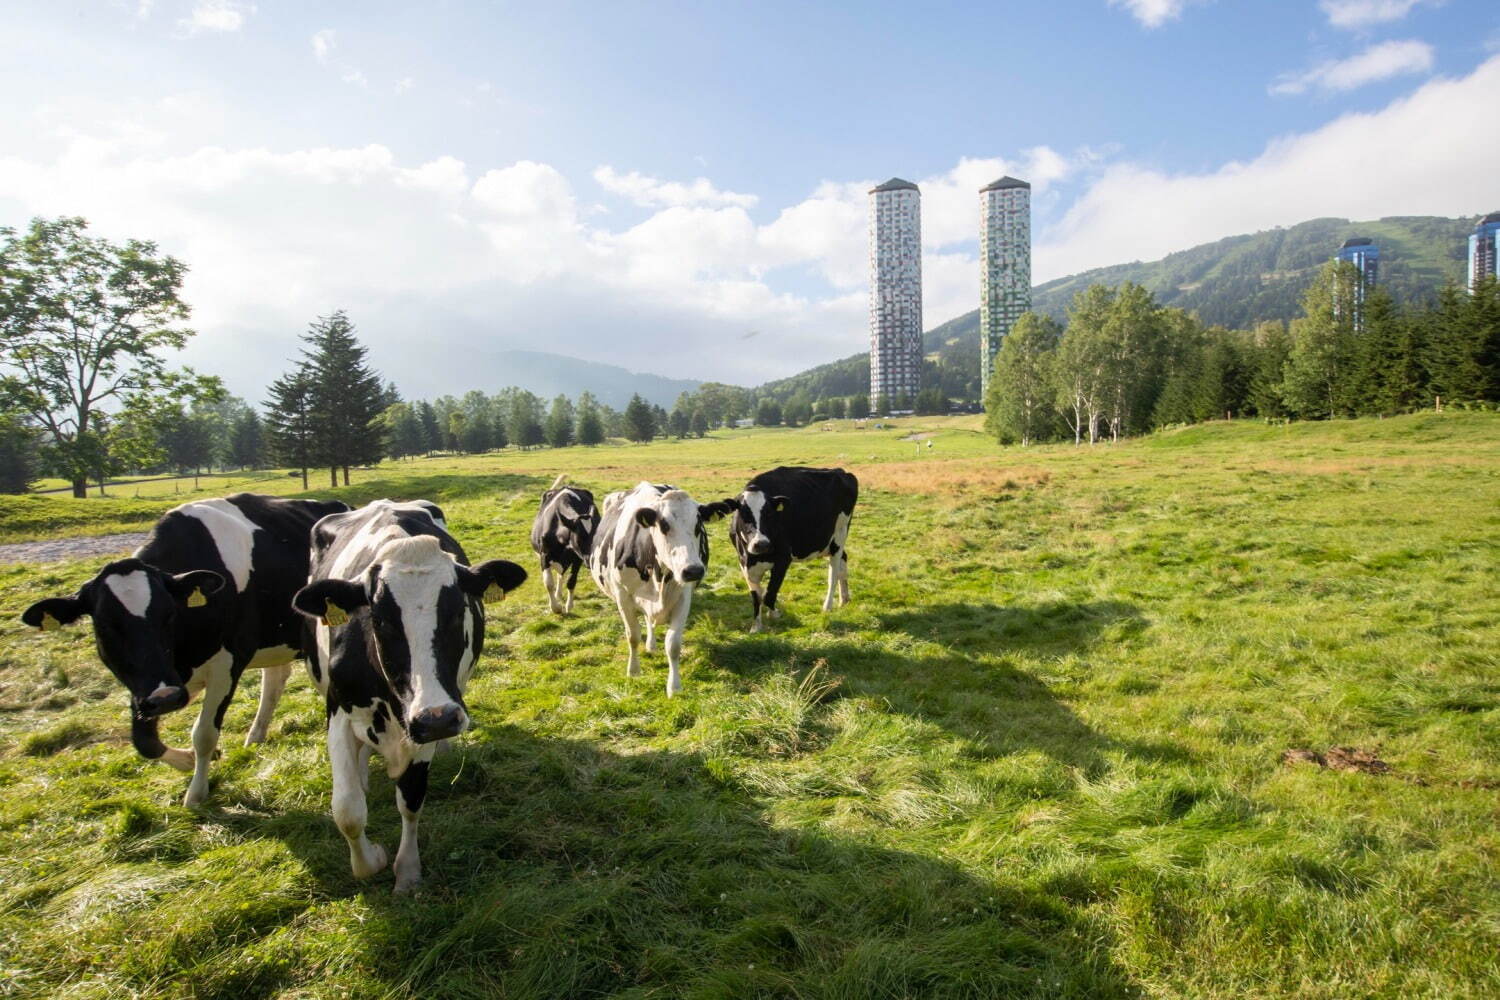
x=246 y=441
x=290 y=425
x=560 y=422
x=590 y=422
x=640 y=421
x=432 y=434
x=346 y=396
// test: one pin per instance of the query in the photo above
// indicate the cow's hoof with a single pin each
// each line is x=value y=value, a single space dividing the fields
x=775 y=612
x=756 y=626
x=674 y=688
x=633 y=670
x=182 y=760
x=195 y=796
x=406 y=884
x=253 y=737
x=373 y=863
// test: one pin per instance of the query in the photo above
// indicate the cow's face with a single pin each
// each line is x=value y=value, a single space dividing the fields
x=422 y=624
x=757 y=519
x=135 y=609
x=579 y=520
x=675 y=521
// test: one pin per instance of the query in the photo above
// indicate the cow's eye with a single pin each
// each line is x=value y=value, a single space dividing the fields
x=666 y=527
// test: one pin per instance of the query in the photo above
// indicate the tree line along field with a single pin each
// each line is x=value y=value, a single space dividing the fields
x=1039 y=755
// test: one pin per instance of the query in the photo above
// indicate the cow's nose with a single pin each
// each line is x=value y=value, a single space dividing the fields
x=692 y=574
x=163 y=700
x=760 y=547
x=440 y=723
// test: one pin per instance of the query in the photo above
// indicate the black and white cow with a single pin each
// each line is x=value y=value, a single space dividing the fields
x=208 y=595
x=563 y=536
x=649 y=553
x=789 y=514
x=398 y=625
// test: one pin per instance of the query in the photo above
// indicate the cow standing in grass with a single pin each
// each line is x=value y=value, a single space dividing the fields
x=649 y=554
x=208 y=596
x=563 y=536
x=398 y=625
x=790 y=514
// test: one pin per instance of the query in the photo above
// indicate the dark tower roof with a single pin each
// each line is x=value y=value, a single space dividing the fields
x=895 y=184
x=1005 y=183
x=1358 y=241
x=1492 y=217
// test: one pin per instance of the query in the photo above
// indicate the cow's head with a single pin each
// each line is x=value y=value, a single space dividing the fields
x=422 y=624
x=135 y=608
x=757 y=520
x=579 y=519
x=675 y=521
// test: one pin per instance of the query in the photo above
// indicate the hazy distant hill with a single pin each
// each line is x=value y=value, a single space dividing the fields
x=1237 y=282
x=550 y=374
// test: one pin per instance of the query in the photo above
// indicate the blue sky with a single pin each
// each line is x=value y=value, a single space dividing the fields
x=644 y=184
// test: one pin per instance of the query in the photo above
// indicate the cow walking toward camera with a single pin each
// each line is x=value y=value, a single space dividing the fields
x=208 y=596
x=563 y=537
x=787 y=515
x=649 y=554
x=398 y=624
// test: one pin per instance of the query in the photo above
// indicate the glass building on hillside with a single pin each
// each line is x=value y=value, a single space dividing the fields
x=895 y=292
x=1004 y=266
x=1482 y=249
x=1365 y=256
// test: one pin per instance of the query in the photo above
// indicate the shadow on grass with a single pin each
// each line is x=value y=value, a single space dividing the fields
x=557 y=869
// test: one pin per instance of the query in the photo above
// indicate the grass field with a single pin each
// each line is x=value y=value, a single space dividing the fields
x=1039 y=755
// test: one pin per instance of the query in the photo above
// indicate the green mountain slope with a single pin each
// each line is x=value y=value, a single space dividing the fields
x=1236 y=282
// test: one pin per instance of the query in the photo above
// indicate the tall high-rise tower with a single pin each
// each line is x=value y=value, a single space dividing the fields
x=1004 y=266
x=1484 y=255
x=1365 y=256
x=895 y=292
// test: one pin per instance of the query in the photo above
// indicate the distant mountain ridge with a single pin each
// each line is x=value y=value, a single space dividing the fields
x=548 y=375
x=1236 y=282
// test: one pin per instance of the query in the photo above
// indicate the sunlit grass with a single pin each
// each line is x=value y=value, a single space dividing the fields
x=1038 y=756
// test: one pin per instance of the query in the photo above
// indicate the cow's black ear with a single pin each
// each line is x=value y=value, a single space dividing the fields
x=54 y=612
x=330 y=601
x=491 y=580
x=778 y=503
x=645 y=517
x=192 y=588
x=719 y=508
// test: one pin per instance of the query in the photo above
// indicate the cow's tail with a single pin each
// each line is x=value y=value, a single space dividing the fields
x=562 y=477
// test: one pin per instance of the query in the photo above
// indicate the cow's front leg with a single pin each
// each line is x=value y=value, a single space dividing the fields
x=549 y=584
x=272 y=684
x=773 y=586
x=145 y=738
x=572 y=583
x=411 y=790
x=218 y=689
x=843 y=577
x=628 y=614
x=675 y=626
x=349 y=813
x=753 y=574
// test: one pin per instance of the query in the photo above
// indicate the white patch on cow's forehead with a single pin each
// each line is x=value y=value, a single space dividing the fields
x=756 y=501
x=414 y=571
x=233 y=534
x=132 y=589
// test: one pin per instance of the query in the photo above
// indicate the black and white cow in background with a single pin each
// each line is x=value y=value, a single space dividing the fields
x=398 y=624
x=788 y=514
x=208 y=595
x=563 y=535
x=649 y=553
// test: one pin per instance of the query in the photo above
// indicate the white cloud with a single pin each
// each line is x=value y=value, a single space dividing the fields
x=404 y=84
x=216 y=15
x=353 y=76
x=1363 y=13
x=653 y=193
x=1153 y=13
x=1378 y=62
x=1424 y=154
x=322 y=44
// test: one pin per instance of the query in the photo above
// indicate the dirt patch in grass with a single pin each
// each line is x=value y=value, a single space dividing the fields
x=953 y=478
x=60 y=549
x=1339 y=759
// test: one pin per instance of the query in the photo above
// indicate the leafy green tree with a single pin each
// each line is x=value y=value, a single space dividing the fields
x=1020 y=403
x=246 y=441
x=18 y=453
x=403 y=430
x=188 y=439
x=432 y=434
x=798 y=409
x=347 y=396
x=1267 y=353
x=768 y=413
x=640 y=420
x=523 y=417
x=882 y=405
x=931 y=401
x=1318 y=379
x=560 y=422
x=291 y=430
x=698 y=424
x=84 y=321
x=679 y=422
x=590 y=423
x=836 y=408
x=859 y=406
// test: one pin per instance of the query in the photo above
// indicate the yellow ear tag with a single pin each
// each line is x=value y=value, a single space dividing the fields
x=334 y=615
x=196 y=599
x=49 y=623
x=493 y=593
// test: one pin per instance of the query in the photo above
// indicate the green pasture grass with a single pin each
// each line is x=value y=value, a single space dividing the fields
x=1039 y=755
